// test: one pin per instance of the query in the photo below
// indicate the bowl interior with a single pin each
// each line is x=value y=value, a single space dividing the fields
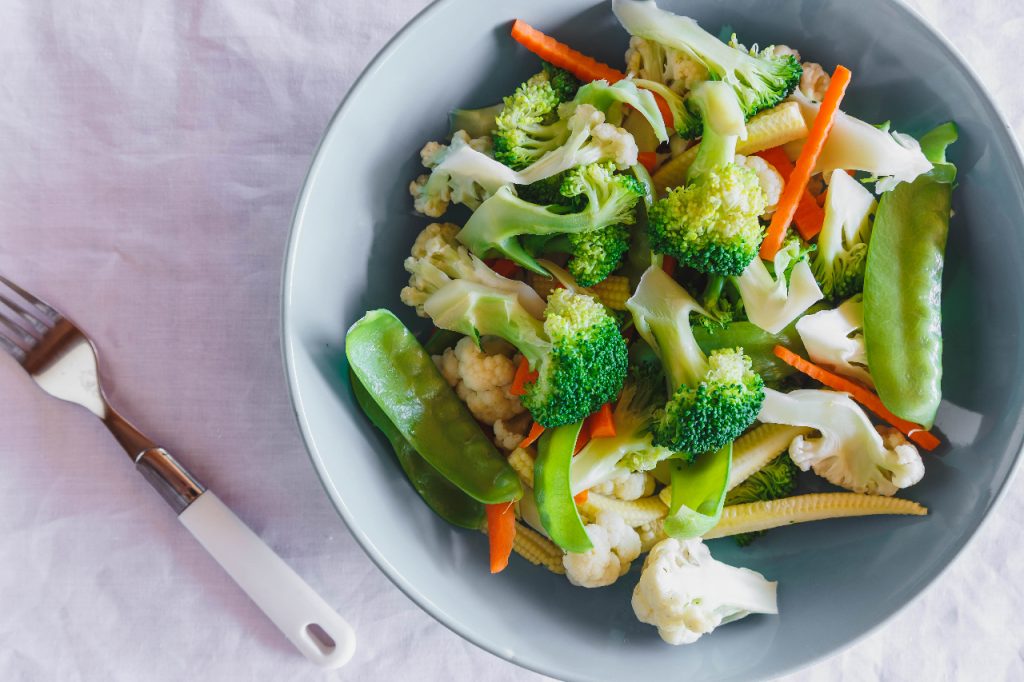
x=354 y=225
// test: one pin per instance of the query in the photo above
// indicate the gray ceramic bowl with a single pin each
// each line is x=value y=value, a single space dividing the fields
x=838 y=580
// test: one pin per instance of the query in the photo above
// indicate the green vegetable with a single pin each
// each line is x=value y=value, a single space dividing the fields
x=630 y=449
x=593 y=234
x=711 y=224
x=760 y=81
x=440 y=494
x=775 y=480
x=577 y=349
x=712 y=399
x=756 y=343
x=903 y=289
x=698 y=494
x=409 y=390
x=933 y=146
x=476 y=122
x=528 y=126
x=552 y=491
x=841 y=256
x=440 y=340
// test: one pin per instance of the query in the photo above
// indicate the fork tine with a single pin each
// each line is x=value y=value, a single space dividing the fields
x=38 y=303
x=12 y=349
x=40 y=325
x=27 y=340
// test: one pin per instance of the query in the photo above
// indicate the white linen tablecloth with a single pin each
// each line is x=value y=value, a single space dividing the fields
x=150 y=155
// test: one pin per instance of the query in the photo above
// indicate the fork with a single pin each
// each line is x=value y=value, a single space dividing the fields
x=63 y=362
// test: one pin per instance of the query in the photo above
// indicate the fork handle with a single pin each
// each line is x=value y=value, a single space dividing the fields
x=316 y=629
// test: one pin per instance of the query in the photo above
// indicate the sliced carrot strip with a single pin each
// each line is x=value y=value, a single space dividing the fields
x=581 y=497
x=502 y=266
x=648 y=160
x=583 y=438
x=522 y=377
x=809 y=215
x=501 y=533
x=578 y=64
x=668 y=264
x=601 y=424
x=535 y=432
x=797 y=184
x=861 y=394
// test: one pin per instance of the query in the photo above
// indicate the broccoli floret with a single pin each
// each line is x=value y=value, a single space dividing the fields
x=760 y=81
x=548 y=192
x=496 y=226
x=842 y=251
x=713 y=399
x=562 y=82
x=577 y=350
x=528 y=125
x=774 y=481
x=630 y=449
x=595 y=253
x=721 y=303
x=711 y=224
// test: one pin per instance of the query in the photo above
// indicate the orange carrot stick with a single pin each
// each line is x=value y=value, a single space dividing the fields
x=550 y=50
x=501 y=533
x=797 y=184
x=535 y=432
x=601 y=424
x=581 y=497
x=809 y=215
x=583 y=438
x=668 y=264
x=502 y=266
x=578 y=64
x=648 y=160
x=522 y=377
x=868 y=399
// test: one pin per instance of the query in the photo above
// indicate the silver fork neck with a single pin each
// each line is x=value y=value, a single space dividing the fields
x=175 y=484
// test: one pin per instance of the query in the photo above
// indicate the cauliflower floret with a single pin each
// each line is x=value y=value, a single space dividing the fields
x=434 y=192
x=911 y=469
x=617 y=144
x=849 y=452
x=649 y=60
x=814 y=81
x=783 y=50
x=482 y=380
x=770 y=180
x=686 y=593
x=835 y=339
x=509 y=433
x=629 y=485
x=615 y=546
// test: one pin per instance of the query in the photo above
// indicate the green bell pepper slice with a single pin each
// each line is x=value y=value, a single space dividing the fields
x=698 y=494
x=552 y=490
x=405 y=384
x=440 y=494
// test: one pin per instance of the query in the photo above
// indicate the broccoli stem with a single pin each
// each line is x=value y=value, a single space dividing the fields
x=666 y=327
x=723 y=126
x=476 y=310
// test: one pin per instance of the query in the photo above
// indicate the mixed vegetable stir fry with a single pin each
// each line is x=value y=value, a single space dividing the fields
x=679 y=286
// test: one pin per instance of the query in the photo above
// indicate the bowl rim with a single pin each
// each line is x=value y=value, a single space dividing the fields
x=288 y=350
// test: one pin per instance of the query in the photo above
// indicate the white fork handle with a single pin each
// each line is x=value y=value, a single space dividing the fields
x=288 y=601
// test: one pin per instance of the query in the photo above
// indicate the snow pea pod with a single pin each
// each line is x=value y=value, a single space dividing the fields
x=440 y=494
x=903 y=287
x=756 y=343
x=405 y=384
x=552 y=490
x=698 y=493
